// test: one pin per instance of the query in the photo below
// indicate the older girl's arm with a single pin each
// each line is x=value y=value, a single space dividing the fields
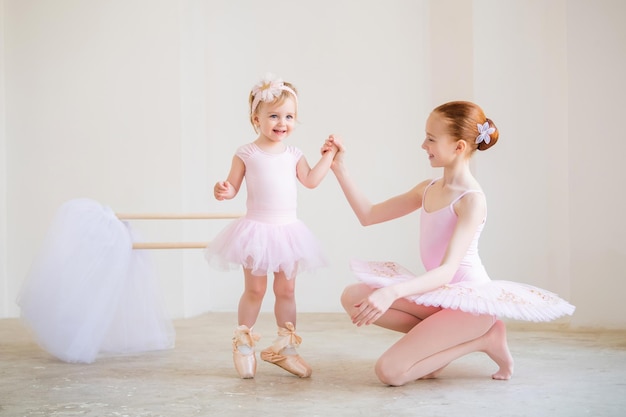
x=471 y=211
x=369 y=213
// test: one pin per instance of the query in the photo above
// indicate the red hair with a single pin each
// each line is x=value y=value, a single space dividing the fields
x=462 y=118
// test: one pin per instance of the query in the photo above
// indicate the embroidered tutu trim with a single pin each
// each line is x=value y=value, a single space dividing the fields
x=499 y=298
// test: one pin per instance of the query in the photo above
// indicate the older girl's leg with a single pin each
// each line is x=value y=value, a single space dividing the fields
x=402 y=316
x=438 y=340
x=494 y=344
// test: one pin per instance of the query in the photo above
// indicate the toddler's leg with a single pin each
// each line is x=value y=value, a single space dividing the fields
x=283 y=352
x=244 y=340
x=285 y=305
x=252 y=298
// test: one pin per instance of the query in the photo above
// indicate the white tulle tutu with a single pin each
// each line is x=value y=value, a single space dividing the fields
x=88 y=292
x=266 y=247
x=499 y=298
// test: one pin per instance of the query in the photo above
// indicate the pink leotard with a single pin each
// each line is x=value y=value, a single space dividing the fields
x=436 y=230
x=270 y=237
x=271 y=182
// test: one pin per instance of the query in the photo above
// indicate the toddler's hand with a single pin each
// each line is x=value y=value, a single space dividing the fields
x=223 y=190
x=328 y=147
x=337 y=143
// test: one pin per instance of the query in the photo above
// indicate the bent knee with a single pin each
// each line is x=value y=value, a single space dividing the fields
x=345 y=300
x=354 y=293
x=388 y=373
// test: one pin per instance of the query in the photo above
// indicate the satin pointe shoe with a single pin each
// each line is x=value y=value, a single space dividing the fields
x=279 y=352
x=243 y=351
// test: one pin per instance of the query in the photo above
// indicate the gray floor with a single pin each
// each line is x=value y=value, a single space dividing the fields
x=558 y=373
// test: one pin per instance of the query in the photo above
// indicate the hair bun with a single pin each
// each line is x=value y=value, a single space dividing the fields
x=493 y=137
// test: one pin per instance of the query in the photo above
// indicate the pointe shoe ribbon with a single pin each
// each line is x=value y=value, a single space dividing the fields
x=245 y=336
x=291 y=363
x=288 y=337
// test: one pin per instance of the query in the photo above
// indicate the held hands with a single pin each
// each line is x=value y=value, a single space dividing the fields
x=373 y=307
x=329 y=146
x=334 y=144
x=223 y=191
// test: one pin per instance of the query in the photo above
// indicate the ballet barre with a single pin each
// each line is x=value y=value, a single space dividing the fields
x=174 y=216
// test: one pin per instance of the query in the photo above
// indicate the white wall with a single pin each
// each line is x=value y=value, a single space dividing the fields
x=597 y=90
x=194 y=68
x=141 y=104
x=520 y=67
x=4 y=282
x=92 y=110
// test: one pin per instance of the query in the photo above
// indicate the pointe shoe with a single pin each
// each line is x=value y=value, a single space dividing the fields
x=244 y=357
x=276 y=353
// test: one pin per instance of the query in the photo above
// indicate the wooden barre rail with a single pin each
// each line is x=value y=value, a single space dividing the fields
x=174 y=216
x=170 y=245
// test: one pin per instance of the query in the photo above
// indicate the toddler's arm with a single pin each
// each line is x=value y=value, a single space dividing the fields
x=225 y=190
x=312 y=177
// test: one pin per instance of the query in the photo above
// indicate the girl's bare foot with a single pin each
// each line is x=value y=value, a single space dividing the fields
x=498 y=350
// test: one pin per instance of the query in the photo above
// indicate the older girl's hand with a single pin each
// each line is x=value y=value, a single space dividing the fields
x=374 y=306
x=337 y=143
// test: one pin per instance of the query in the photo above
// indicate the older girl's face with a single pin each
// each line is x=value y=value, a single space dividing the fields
x=438 y=144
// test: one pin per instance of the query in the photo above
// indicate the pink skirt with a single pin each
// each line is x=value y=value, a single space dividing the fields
x=498 y=298
x=266 y=247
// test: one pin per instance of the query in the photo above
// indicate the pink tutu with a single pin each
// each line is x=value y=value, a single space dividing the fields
x=266 y=247
x=499 y=298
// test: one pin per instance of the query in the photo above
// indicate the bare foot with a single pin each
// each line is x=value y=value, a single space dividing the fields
x=498 y=350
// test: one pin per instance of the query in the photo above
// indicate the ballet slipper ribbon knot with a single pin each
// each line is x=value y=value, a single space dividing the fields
x=288 y=337
x=246 y=337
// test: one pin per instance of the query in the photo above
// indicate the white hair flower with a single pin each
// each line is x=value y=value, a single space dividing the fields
x=483 y=132
x=268 y=89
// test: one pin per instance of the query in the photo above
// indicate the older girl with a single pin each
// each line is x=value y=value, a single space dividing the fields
x=450 y=310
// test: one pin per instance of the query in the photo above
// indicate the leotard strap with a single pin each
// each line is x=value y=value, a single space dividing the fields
x=463 y=194
x=451 y=205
